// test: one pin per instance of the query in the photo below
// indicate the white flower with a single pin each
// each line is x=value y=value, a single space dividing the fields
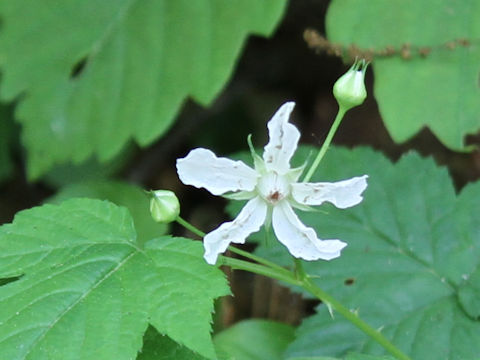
x=272 y=190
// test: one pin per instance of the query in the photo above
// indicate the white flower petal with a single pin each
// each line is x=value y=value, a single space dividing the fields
x=302 y=241
x=283 y=140
x=203 y=169
x=342 y=194
x=250 y=219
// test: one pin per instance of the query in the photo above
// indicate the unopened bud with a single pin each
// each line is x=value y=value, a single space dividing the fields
x=164 y=206
x=350 y=90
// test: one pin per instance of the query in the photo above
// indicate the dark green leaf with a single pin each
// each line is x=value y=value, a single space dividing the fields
x=254 y=340
x=161 y=347
x=412 y=243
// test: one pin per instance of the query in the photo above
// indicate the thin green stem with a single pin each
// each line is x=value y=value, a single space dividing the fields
x=233 y=249
x=282 y=275
x=326 y=144
x=298 y=278
x=376 y=335
x=305 y=282
x=190 y=227
x=299 y=272
x=256 y=258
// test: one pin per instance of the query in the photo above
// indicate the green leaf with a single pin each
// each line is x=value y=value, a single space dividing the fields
x=122 y=194
x=355 y=356
x=121 y=69
x=469 y=292
x=351 y=356
x=161 y=347
x=439 y=91
x=88 y=291
x=469 y=295
x=412 y=242
x=254 y=340
x=314 y=358
x=90 y=170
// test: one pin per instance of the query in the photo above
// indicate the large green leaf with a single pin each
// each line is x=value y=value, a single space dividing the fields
x=254 y=340
x=412 y=244
x=97 y=73
x=439 y=91
x=88 y=291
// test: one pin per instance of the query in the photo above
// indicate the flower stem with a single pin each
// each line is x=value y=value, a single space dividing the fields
x=233 y=249
x=300 y=278
x=299 y=272
x=282 y=274
x=326 y=144
x=190 y=227
x=256 y=258
x=376 y=335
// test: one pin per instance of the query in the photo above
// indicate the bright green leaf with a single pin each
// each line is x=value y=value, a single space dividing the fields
x=98 y=73
x=254 y=340
x=412 y=243
x=441 y=90
x=88 y=291
x=122 y=194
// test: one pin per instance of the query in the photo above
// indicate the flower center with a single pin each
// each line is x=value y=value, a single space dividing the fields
x=273 y=187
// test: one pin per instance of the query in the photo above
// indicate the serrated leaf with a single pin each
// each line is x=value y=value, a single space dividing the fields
x=120 y=69
x=88 y=291
x=254 y=340
x=440 y=90
x=412 y=242
x=122 y=194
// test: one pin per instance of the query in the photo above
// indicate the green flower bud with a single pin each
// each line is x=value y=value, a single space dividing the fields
x=164 y=206
x=350 y=90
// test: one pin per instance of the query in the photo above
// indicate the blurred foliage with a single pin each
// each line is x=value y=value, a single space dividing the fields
x=120 y=70
x=254 y=340
x=425 y=60
x=89 y=170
